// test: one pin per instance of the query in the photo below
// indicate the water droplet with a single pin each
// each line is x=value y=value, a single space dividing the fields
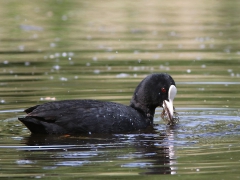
x=57 y=54
x=5 y=62
x=56 y=67
x=21 y=47
x=94 y=58
x=64 y=54
x=63 y=79
x=22 y=162
x=27 y=63
x=122 y=75
x=51 y=56
x=96 y=71
x=71 y=54
x=52 y=45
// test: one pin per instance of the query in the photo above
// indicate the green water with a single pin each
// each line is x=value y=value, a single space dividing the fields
x=55 y=50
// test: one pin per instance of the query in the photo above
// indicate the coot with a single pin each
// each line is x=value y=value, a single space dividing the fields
x=92 y=116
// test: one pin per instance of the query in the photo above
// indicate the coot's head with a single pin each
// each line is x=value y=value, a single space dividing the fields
x=155 y=90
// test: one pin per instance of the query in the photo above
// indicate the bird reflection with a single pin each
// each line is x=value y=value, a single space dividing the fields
x=149 y=150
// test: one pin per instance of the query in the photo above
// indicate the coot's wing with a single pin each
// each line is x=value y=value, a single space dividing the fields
x=59 y=117
x=71 y=109
x=82 y=116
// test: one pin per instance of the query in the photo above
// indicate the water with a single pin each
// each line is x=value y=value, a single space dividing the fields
x=92 y=50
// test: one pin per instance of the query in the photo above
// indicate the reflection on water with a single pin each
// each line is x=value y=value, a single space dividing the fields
x=149 y=152
x=55 y=50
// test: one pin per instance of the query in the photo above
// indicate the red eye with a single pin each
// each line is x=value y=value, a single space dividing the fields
x=163 y=90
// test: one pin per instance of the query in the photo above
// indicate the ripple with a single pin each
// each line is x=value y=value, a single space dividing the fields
x=137 y=164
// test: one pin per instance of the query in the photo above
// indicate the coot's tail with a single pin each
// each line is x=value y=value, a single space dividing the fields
x=37 y=126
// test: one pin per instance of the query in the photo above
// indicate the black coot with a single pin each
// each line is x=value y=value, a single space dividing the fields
x=92 y=116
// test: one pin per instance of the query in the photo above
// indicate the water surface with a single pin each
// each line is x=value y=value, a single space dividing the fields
x=57 y=50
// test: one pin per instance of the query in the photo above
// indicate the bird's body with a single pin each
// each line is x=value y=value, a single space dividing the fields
x=92 y=116
x=87 y=116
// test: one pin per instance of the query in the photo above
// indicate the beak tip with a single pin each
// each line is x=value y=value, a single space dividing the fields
x=168 y=113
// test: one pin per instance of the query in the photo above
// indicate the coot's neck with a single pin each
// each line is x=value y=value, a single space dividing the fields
x=146 y=110
x=143 y=99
